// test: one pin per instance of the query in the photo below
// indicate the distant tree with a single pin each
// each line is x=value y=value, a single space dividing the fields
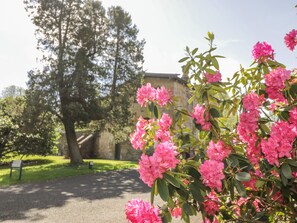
x=78 y=83
x=124 y=68
x=23 y=132
x=12 y=91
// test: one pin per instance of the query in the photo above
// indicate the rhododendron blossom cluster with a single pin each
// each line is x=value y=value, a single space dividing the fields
x=218 y=151
x=163 y=133
x=291 y=39
x=137 y=138
x=148 y=93
x=262 y=51
x=248 y=125
x=211 y=78
x=211 y=204
x=212 y=174
x=176 y=212
x=138 y=211
x=153 y=167
x=201 y=117
x=293 y=116
x=275 y=82
x=280 y=142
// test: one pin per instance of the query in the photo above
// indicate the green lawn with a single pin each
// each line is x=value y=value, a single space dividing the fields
x=38 y=168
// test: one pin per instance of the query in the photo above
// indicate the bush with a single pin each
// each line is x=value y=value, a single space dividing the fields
x=230 y=171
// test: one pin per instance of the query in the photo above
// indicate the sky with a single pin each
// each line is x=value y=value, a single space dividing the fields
x=167 y=26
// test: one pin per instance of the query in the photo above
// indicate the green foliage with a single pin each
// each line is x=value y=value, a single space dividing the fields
x=23 y=132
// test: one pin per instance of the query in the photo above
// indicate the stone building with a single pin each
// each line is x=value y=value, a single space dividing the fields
x=102 y=145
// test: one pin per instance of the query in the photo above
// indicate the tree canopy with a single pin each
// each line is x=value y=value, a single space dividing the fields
x=91 y=62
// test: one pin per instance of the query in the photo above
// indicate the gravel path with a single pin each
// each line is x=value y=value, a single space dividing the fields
x=97 y=198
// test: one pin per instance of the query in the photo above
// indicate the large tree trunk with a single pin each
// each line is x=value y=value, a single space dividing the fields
x=75 y=156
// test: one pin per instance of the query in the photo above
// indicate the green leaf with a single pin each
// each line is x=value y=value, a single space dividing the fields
x=167 y=217
x=196 y=192
x=215 y=63
x=186 y=68
x=231 y=189
x=163 y=189
x=286 y=170
x=284 y=179
x=234 y=161
x=194 y=51
x=243 y=177
x=214 y=113
x=265 y=128
x=210 y=71
x=153 y=191
x=151 y=106
x=293 y=91
x=260 y=183
x=240 y=188
x=156 y=112
x=185 y=217
x=171 y=180
x=188 y=209
x=292 y=162
x=183 y=59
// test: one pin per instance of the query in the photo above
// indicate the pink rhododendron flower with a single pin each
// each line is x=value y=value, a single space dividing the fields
x=153 y=167
x=293 y=116
x=149 y=169
x=256 y=203
x=211 y=204
x=218 y=151
x=275 y=82
x=251 y=184
x=138 y=211
x=163 y=96
x=211 y=78
x=241 y=201
x=262 y=51
x=252 y=101
x=253 y=150
x=278 y=197
x=166 y=155
x=137 y=138
x=212 y=174
x=201 y=117
x=215 y=220
x=291 y=39
x=248 y=124
x=176 y=212
x=162 y=135
x=145 y=94
x=165 y=122
x=280 y=142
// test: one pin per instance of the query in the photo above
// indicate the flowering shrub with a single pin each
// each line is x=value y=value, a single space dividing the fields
x=237 y=163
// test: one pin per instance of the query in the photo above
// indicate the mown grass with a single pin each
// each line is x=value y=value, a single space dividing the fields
x=38 y=168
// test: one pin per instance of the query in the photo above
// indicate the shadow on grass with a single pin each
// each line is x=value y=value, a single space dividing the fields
x=17 y=200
